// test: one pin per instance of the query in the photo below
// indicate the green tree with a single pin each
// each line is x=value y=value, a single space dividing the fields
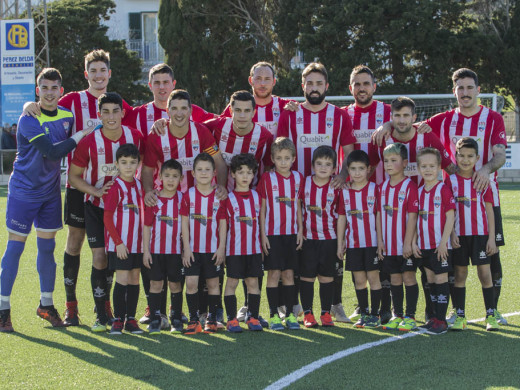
x=75 y=29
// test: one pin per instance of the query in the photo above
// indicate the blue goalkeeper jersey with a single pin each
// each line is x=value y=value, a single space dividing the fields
x=35 y=177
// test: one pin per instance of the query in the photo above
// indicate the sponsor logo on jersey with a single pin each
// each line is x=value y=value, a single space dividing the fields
x=203 y=220
x=132 y=207
x=166 y=219
x=245 y=219
x=287 y=201
x=314 y=140
x=315 y=209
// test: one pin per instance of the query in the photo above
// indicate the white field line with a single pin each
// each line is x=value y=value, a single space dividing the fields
x=311 y=367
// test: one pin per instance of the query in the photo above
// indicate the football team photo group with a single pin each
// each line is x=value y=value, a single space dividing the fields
x=192 y=208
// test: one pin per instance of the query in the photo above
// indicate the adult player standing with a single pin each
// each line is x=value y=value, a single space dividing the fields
x=34 y=194
x=262 y=80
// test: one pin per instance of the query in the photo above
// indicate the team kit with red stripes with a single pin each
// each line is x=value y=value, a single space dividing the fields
x=178 y=197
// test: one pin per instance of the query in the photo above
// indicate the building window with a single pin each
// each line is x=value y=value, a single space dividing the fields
x=143 y=37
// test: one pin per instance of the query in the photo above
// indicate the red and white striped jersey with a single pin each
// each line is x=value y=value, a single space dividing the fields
x=161 y=148
x=471 y=217
x=397 y=202
x=267 y=115
x=143 y=117
x=360 y=209
x=257 y=142
x=366 y=120
x=97 y=154
x=433 y=206
x=418 y=142
x=241 y=210
x=281 y=195
x=330 y=126
x=126 y=201
x=165 y=222
x=202 y=212
x=486 y=127
x=319 y=206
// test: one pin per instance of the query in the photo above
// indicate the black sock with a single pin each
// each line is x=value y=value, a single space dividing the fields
x=459 y=300
x=496 y=275
x=70 y=275
x=119 y=301
x=433 y=299
x=489 y=300
x=362 y=297
x=306 y=295
x=288 y=298
x=110 y=281
x=203 y=296
x=230 y=301
x=254 y=305
x=272 y=299
x=375 y=300
x=397 y=299
x=430 y=306
x=386 y=299
x=296 y=299
x=451 y=283
x=155 y=303
x=221 y=290
x=164 y=296
x=98 y=281
x=412 y=296
x=193 y=305
x=338 y=284
x=442 y=291
x=326 y=296
x=281 y=296
x=176 y=299
x=212 y=307
x=145 y=282
x=132 y=297
x=244 y=285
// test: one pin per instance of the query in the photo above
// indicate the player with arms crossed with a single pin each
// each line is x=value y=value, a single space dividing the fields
x=34 y=194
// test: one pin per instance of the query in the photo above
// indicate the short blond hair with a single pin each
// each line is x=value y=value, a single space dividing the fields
x=396 y=148
x=433 y=151
x=282 y=143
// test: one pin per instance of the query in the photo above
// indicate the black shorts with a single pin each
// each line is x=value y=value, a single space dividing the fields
x=244 y=266
x=133 y=261
x=282 y=253
x=499 y=229
x=473 y=247
x=362 y=259
x=430 y=261
x=94 y=226
x=166 y=265
x=318 y=258
x=204 y=267
x=398 y=264
x=74 y=210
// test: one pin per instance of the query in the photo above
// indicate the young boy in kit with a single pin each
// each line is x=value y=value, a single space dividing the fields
x=319 y=204
x=162 y=246
x=123 y=217
x=204 y=243
x=239 y=213
x=281 y=230
x=357 y=236
x=434 y=227
x=397 y=216
x=474 y=234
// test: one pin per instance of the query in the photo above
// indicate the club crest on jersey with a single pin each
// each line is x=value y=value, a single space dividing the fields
x=401 y=196
x=253 y=146
x=481 y=126
x=437 y=201
x=276 y=112
x=455 y=189
x=195 y=145
x=330 y=122
x=216 y=205
x=257 y=208
x=371 y=200
x=192 y=205
x=330 y=198
x=66 y=125
x=236 y=210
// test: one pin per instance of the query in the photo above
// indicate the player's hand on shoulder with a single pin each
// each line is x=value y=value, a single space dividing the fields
x=159 y=127
x=150 y=198
x=31 y=109
x=292 y=106
x=90 y=129
x=382 y=133
x=221 y=192
x=423 y=128
x=481 y=179
x=103 y=190
x=339 y=182
x=122 y=252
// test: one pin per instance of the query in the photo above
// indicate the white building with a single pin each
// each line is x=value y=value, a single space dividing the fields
x=136 y=21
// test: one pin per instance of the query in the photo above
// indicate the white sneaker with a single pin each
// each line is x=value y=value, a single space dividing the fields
x=500 y=319
x=202 y=318
x=165 y=324
x=281 y=312
x=241 y=314
x=298 y=310
x=339 y=313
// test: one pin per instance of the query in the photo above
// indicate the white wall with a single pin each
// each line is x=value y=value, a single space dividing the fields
x=118 y=23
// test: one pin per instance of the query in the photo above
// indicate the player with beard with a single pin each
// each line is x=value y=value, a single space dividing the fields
x=366 y=115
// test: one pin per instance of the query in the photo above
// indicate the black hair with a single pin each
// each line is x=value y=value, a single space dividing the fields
x=464 y=73
x=242 y=96
x=110 y=97
x=179 y=94
x=467 y=142
x=358 y=156
x=203 y=157
x=324 y=151
x=246 y=159
x=401 y=102
x=172 y=164
x=51 y=74
x=128 y=150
